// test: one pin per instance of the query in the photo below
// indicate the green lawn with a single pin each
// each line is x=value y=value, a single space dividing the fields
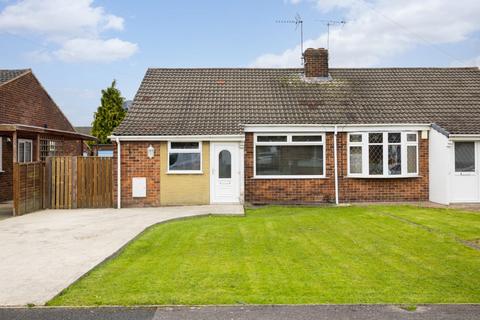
x=375 y=254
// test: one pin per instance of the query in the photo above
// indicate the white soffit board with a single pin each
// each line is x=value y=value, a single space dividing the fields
x=139 y=187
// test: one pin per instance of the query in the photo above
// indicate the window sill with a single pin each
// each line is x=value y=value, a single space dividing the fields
x=185 y=172
x=286 y=177
x=382 y=177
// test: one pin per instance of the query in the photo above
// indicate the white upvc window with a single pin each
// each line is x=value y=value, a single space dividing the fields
x=25 y=150
x=289 y=156
x=1 y=154
x=382 y=154
x=184 y=157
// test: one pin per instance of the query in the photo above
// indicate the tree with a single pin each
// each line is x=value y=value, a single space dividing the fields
x=109 y=114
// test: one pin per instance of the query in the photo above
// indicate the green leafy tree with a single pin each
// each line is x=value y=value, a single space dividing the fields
x=109 y=114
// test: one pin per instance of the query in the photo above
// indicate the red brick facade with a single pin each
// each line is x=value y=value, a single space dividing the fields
x=24 y=101
x=261 y=191
x=135 y=163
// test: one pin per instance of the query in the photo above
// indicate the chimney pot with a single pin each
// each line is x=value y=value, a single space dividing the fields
x=316 y=63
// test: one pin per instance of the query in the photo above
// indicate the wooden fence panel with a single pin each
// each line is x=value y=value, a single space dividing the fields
x=28 y=187
x=63 y=183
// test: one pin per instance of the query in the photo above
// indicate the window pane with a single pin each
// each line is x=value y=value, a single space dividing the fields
x=394 y=137
x=289 y=160
x=375 y=137
x=184 y=145
x=272 y=138
x=224 y=165
x=411 y=137
x=307 y=138
x=394 y=159
x=355 y=159
x=375 y=159
x=21 y=152
x=464 y=156
x=412 y=159
x=28 y=152
x=184 y=161
x=355 y=138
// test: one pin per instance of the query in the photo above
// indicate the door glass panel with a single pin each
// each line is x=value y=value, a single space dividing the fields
x=464 y=156
x=224 y=164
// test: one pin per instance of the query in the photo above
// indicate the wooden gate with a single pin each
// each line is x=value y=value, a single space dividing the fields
x=79 y=182
x=28 y=187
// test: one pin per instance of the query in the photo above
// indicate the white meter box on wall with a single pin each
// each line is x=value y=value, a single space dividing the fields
x=139 y=187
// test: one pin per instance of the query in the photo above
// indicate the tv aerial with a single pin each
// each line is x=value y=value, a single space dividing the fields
x=298 y=21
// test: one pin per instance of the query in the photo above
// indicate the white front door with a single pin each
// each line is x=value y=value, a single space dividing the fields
x=465 y=185
x=225 y=172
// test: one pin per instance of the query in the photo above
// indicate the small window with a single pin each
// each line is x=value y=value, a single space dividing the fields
x=355 y=138
x=271 y=138
x=184 y=157
x=375 y=137
x=224 y=164
x=464 y=156
x=183 y=145
x=307 y=138
x=411 y=137
x=25 y=150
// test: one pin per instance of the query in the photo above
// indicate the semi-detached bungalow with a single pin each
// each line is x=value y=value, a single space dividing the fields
x=307 y=135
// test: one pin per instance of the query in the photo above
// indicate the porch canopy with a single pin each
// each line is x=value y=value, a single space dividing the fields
x=22 y=128
x=19 y=131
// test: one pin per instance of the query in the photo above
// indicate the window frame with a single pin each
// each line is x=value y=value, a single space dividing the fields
x=465 y=173
x=18 y=150
x=172 y=150
x=289 y=142
x=365 y=154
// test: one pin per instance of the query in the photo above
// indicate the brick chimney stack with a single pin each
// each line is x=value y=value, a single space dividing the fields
x=316 y=63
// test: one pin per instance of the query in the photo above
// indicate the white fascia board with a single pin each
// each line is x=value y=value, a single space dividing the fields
x=464 y=137
x=180 y=138
x=340 y=127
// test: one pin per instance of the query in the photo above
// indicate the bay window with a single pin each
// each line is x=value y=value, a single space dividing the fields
x=184 y=157
x=383 y=154
x=289 y=156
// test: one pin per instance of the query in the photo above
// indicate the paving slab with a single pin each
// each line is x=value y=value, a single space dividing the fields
x=42 y=253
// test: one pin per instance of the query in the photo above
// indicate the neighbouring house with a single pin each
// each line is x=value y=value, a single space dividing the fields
x=304 y=135
x=32 y=126
x=97 y=149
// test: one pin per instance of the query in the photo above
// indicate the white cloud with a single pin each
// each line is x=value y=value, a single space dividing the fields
x=65 y=24
x=87 y=50
x=383 y=28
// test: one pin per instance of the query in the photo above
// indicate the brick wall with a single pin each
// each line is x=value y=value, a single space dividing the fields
x=135 y=163
x=316 y=62
x=24 y=101
x=6 y=177
x=260 y=191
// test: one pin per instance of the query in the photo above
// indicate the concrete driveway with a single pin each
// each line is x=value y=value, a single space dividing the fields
x=44 y=252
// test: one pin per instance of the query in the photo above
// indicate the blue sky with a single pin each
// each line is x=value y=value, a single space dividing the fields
x=77 y=47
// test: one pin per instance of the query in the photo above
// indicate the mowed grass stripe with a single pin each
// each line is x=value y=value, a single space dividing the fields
x=290 y=255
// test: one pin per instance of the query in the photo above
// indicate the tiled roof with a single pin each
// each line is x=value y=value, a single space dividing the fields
x=221 y=101
x=84 y=130
x=7 y=75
